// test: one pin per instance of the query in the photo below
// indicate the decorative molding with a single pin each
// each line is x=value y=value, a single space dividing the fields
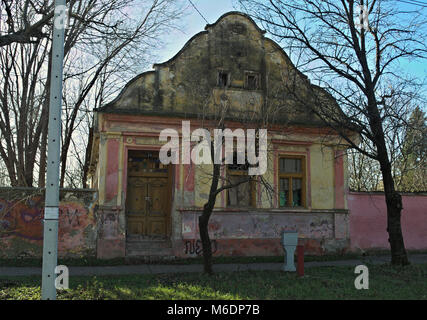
x=291 y=142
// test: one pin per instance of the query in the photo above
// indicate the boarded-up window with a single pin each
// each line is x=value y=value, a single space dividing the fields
x=241 y=195
x=252 y=81
x=223 y=79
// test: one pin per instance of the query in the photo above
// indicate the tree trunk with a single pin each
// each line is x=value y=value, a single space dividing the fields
x=394 y=228
x=63 y=169
x=206 y=241
x=204 y=221
x=393 y=199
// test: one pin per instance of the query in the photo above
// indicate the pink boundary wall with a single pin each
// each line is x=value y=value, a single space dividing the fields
x=368 y=221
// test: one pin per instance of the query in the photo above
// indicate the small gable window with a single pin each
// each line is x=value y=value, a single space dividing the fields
x=223 y=79
x=252 y=81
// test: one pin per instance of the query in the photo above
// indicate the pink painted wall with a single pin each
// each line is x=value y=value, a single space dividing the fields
x=339 y=180
x=258 y=233
x=368 y=221
x=111 y=181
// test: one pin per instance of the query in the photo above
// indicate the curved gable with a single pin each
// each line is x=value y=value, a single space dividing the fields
x=256 y=70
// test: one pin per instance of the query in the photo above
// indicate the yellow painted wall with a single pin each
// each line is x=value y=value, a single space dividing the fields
x=319 y=189
x=322 y=177
x=186 y=86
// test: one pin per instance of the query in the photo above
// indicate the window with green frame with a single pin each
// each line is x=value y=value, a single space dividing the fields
x=292 y=181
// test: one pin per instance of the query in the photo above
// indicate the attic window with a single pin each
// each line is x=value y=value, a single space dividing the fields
x=223 y=79
x=252 y=81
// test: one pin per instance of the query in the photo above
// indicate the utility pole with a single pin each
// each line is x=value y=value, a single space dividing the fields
x=51 y=212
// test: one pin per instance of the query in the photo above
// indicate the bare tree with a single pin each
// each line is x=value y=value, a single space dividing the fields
x=4 y=178
x=406 y=143
x=106 y=43
x=121 y=44
x=411 y=167
x=364 y=172
x=22 y=105
x=218 y=184
x=24 y=21
x=215 y=115
x=353 y=49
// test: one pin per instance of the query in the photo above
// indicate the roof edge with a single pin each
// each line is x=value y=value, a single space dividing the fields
x=180 y=51
x=127 y=85
x=209 y=25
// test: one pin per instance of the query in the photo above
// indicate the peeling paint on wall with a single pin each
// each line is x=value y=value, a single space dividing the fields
x=21 y=226
x=229 y=225
x=254 y=233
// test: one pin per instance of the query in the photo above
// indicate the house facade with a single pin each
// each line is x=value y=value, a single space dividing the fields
x=229 y=72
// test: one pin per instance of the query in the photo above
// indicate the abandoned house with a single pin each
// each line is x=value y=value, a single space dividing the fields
x=148 y=208
x=228 y=76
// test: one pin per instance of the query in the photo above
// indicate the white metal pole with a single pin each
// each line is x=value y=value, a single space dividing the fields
x=51 y=213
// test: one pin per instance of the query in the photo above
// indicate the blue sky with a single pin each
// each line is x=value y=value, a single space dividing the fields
x=193 y=23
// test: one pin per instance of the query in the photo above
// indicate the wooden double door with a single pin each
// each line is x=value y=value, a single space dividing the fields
x=148 y=197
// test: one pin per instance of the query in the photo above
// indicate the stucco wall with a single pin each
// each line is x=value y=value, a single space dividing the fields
x=326 y=180
x=187 y=87
x=368 y=221
x=187 y=83
x=21 y=223
x=252 y=233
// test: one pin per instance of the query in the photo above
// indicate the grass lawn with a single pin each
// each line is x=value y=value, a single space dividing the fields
x=385 y=282
x=84 y=261
x=37 y=262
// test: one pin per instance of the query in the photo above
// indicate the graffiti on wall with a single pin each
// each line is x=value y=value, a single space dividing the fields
x=108 y=223
x=194 y=247
x=25 y=219
x=261 y=226
x=22 y=219
x=71 y=216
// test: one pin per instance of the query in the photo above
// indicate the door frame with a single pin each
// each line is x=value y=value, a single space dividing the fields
x=171 y=178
